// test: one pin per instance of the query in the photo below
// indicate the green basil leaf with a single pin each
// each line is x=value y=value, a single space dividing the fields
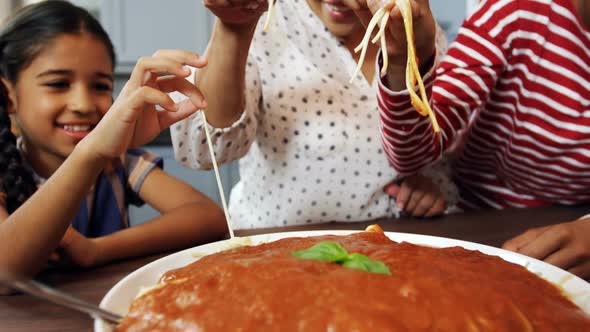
x=364 y=263
x=329 y=251
x=326 y=251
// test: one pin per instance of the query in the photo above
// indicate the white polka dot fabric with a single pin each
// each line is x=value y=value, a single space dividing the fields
x=308 y=141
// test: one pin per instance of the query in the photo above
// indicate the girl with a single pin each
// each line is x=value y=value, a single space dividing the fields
x=306 y=138
x=56 y=67
x=517 y=78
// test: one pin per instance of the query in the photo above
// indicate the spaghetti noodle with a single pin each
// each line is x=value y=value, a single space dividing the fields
x=217 y=176
x=266 y=288
x=271 y=7
x=413 y=77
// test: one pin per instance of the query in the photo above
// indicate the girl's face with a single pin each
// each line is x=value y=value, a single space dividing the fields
x=340 y=19
x=60 y=97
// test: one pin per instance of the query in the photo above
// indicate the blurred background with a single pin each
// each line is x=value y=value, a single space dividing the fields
x=140 y=27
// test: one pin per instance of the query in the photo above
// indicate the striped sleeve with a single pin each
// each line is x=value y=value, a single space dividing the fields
x=457 y=89
x=138 y=164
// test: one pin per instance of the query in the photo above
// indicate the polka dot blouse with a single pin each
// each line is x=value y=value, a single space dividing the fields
x=308 y=141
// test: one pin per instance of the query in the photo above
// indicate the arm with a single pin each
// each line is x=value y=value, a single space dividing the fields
x=461 y=85
x=230 y=143
x=228 y=49
x=188 y=218
x=30 y=234
x=233 y=105
x=565 y=245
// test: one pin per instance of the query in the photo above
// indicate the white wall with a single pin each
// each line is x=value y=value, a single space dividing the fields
x=5 y=9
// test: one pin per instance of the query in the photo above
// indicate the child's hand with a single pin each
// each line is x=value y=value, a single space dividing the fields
x=356 y=4
x=424 y=30
x=75 y=249
x=361 y=10
x=237 y=12
x=564 y=245
x=133 y=120
x=418 y=196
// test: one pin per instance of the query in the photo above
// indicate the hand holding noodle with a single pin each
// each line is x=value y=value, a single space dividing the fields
x=239 y=12
x=423 y=28
x=399 y=17
x=133 y=120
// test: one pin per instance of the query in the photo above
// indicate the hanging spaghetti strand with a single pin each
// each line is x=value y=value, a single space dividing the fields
x=362 y=47
x=413 y=77
x=217 y=176
x=271 y=8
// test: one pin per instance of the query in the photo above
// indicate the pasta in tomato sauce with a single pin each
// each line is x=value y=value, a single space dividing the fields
x=267 y=288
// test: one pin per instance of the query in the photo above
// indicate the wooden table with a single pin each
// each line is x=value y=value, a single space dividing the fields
x=25 y=313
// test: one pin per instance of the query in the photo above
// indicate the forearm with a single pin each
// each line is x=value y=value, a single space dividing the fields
x=185 y=226
x=408 y=138
x=223 y=80
x=396 y=73
x=33 y=231
x=396 y=77
x=454 y=91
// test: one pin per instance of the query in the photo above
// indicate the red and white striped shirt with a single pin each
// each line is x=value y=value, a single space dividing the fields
x=517 y=82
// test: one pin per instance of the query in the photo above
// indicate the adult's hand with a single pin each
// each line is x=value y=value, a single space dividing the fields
x=237 y=12
x=565 y=245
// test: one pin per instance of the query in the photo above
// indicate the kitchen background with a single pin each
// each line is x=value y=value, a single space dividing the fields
x=140 y=27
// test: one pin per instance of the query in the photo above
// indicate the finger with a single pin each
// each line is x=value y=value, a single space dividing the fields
x=54 y=257
x=148 y=66
x=147 y=95
x=216 y=3
x=364 y=16
x=416 y=194
x=242 y=3
x=67 y=238
x=354 y=4
x=437 y=208
x=547 y=243
x=166 y=119
x=425 y=203
x=185 y=57
x=392 y=189
x=521 y=240
x=235 y=4
x=171 y=84
x=582 y=270
x=565 y=258
x=416 y=8
x=403 y=196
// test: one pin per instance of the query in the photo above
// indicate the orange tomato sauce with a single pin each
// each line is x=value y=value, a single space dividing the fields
x=265 y=288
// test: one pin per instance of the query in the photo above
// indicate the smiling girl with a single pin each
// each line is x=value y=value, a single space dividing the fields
x=68 y=177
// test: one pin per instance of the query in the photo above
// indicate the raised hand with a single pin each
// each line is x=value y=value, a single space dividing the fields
x=237 y=12
x=133 y=119
x=407 y=33
x=424 y=27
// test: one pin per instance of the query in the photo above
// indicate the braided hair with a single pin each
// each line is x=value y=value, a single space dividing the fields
x=22 y=39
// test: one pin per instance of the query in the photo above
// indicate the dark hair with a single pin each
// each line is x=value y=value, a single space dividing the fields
x=22 y=39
